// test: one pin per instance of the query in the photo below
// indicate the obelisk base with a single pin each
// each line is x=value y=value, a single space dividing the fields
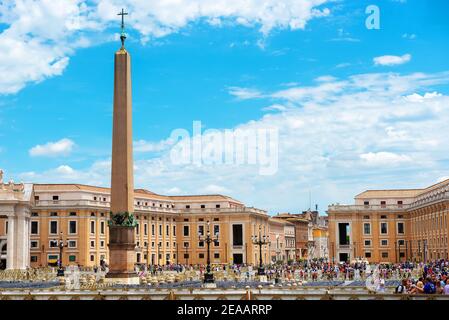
x=122 y=256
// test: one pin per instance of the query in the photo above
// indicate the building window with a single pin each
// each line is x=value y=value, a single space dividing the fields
x=367 y=243
x=201 y=230
x=152 y=230
x=34 y=214
x=203 y=206
x=344 y=233
x=400 y=227
x=383 y=228
x=167 y=230
x=401 y=242
x=92 y=243
x=53 y=227
x=33 y=258
x=383 y=204
x=384 y=242
x=367 y=228
x=366 y=217
x=53 y=243
x=201 y=256
x=72 y=258
x=384 y=255
x=53 y=214
x=216 y=229
x=186 y=231
x=367 y=254
x=34 y=244
x=55 y=198
x=366 y=203
x=216 y=255
x=400 y=204
x=186 y=244
x=72 y=227
x=72 y=214
x=174 y=231
x=217 y=206
x=102 y=227
x=92 y=227
x=34 y=227
x=102 y=244
x=160 y=229
x=237 y=235
x=145 y=229
x=92 y=257
x=383 y=217
x=201 y=244
x=72 y=244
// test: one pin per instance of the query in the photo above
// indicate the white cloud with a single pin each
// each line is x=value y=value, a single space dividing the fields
x=336 y=138
x=392 y=60
x=384 y=158
x=244 y=93
x=410 y=36
x=62 y=147
x=148 y=146
x=214 y=189
x=41 y=35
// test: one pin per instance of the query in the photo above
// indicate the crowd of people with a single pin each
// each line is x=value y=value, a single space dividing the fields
x=416 y=278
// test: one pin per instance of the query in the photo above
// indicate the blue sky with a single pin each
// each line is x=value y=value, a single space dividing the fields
x=355 y=108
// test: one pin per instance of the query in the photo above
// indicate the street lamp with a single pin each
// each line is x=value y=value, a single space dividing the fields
x=186 y=255
x=260 y=241
x=208 y=276
x=61 y=246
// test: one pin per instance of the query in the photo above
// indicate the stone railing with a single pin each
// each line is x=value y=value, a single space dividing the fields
x=209 y=294
x=226 y=210
x=354 y=207
x=98 y=204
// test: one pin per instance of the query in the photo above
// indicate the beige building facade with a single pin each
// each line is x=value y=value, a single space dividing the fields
x=167 y=232
x=391 y=225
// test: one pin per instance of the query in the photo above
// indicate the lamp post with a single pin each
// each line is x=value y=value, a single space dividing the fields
x=186 y=254
x=208 y=276
x=260 y=241
x=61 y=246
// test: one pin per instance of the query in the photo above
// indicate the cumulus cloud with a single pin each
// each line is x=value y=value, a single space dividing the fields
x=392 y=60
x=62 y=147
x=244 y=93
x=384 y=158
x=336 y=138
x=40 y=36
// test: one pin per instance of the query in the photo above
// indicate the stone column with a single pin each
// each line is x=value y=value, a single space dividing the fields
x=10 y=254
x=22 y=239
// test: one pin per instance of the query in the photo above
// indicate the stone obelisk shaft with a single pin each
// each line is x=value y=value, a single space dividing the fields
x=122 y=179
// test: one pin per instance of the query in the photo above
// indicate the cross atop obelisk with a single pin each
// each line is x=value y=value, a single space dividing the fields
x=123 y=34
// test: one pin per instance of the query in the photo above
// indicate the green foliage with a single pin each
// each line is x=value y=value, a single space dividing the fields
x=122 y=219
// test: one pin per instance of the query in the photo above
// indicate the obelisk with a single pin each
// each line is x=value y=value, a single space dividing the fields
x=122 y=253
